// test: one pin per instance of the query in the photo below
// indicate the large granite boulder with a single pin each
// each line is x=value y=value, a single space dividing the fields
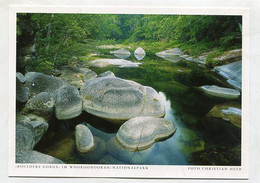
x=31 y=156
x=220 y=92
x=232 y=72
x=104 y=62
x=22 y=92
x=173 y=55
x=41 y=104
x=84 y=139
x=38 y=82
x=68 y=103
x=141 y=132
x=115 y=149
x=24 y=136
x=118 y=100
x=139 y=53
x=121 y=53
x=76 y=76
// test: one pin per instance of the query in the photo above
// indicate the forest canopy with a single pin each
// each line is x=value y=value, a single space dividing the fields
x=57 y=38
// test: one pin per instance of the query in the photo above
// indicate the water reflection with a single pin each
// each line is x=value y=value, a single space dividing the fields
x=121 y=53
x=172 y=58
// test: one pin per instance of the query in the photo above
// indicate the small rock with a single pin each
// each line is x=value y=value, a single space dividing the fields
x=141 y=132
x=220 y=92
x=139 y=53
x=22 y=92
x=121 y=53
x=20 y=77
x=84 y=139
x=68 y=104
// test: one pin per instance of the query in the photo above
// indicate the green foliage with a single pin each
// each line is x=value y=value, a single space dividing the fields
x=210 y=62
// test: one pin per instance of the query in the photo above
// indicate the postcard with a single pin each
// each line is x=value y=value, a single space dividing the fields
x=129 y=92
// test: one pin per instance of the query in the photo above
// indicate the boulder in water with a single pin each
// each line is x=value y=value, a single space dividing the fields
x=139 y=53
x=104 y=62
x=232 y=72
x=220 y=92
x=141 y=132
x=121 y=53
x=84 y=139
x=118 y=100
x=171 y=52
x=68 y=103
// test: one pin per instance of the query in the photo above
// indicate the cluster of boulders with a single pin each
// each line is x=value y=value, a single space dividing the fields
x=123 y=53
x=136 y=108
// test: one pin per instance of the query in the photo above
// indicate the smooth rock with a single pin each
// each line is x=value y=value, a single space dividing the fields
x=141 y=132
x=115 y=149
x=97 y=153
x=38 y=82
x=107 y=74
x=68 y=103
x=220 y=92
x=117 y=62
x=24 y=136
x=84 y=139
x=31 y=157
x=171 y=52
x=139 y=53
x=76 y=76
x=118 y=100
x=22 y=92
x=121 y=53
x=41 y=104
x=232 y=72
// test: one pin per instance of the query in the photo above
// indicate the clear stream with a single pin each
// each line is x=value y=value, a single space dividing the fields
x=197 y=139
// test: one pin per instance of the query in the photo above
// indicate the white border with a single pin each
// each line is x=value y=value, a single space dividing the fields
x=154 y=171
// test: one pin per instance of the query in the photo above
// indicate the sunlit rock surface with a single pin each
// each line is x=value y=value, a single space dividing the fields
x=118 y=100
x=232 y=72
x=41 y=104
x=141 y=132
x=220 y=92
x=139 y=53
x=117 y=62
x=84 y=139
x=107 y=74
x=121 y=53
x=173 y=55
x=68 y=103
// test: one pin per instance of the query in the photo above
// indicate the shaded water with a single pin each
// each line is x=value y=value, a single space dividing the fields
x=185 y=106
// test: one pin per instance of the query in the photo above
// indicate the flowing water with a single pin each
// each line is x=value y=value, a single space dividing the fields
x=198 y=140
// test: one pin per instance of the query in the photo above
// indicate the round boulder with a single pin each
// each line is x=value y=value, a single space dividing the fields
x=118 y=100
x=107 y=74
x=139 y=53
x=141 y=132
x=68 y=103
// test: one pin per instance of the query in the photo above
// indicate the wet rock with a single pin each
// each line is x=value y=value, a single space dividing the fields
x=174 y=51
x=121 y=53
x=84 y=139
x=118 y=100
x=230 y=112
x=41 y=104
x=38 y=82
x=108 y=159
x=232 y=72
x=141 y=132
x=30 y=156
x=139 y=53
x=107 y=74
x=135 y=157
x=97 y=153
x=220 y=92
x=68 y=103
x=117 y=62
x=76 y=76
x=22 y=92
